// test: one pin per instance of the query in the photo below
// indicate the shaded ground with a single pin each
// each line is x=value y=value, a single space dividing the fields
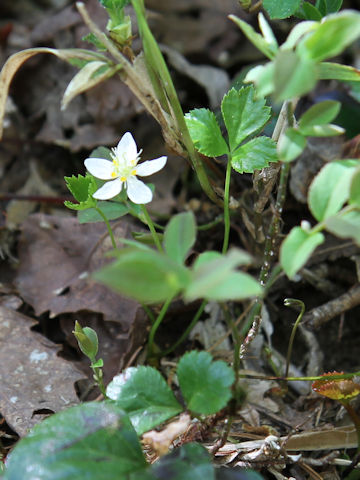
x=45 y=252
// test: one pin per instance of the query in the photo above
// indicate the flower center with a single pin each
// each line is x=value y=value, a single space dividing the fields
x=122 y=168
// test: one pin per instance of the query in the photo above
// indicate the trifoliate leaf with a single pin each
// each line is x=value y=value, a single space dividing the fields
x=205 y=384
x=145 y=396
x=243 y=115
x=205 y=132
x=254 y=155
x=82 y=189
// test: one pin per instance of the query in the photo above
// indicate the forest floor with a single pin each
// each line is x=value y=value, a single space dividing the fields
x=44 y=250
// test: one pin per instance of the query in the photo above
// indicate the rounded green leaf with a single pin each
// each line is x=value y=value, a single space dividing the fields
x=180 y=236
x=330 y=189
x=332 y=36
x=355 y=188
x=95 y=441
x=205 y=132
x=345 y=226
x=282 y=9
x=297 y=248
x=111 y=210
x=145 y=396
x=290 y=145
x=293 y=75
x=205 y=384
x=320 y=114
x=145 y=275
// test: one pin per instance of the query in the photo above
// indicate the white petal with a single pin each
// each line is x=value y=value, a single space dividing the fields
x=109 y=190
x=127 y=148
x=150 y=167
x=138 y=192
x=100 y=168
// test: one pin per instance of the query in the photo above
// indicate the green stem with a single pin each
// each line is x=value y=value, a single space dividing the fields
x=187 y=330
x=152 y=229
x=98 y=377
x=160 y=75
x=289 y=302
x=226 y=206
x=237 y=345
x=111 y=234
x=156 y=325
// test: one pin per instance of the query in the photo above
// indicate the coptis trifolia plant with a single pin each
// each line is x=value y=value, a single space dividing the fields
x=99 y=440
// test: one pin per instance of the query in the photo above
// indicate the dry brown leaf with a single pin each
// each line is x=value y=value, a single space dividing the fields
x=57 y=256
x=33 y=378
x=161 y=441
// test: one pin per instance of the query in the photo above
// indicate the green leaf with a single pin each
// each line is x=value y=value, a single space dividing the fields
x=210 y=270
x=189 y=461
x=290 y=145
x=145 y=275
x=101 y=152
x=180 y=236
x=332 y=36
x=111 y=210
x=94 y=440
x=263 y=77
x=333 y=5
x=205 y=132
x=254 y=155
x=355 y=188
x=236 y=286
x=205 y=384
x=297 y=248
x=330 y=189
x=293 y=75
x=243 y=115
x=336 y=71
x=258 y=40
x=297 y=32
x=345 y=225
x=82 y=189
x=145 y=396
x=329 y=130
x=320 y=114
x=321 y=5
x=284 y=9
x=267 y=32
x=311 y=12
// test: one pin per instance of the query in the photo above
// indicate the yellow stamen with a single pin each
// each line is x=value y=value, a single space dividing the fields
x=113 y=174
x=123 y=179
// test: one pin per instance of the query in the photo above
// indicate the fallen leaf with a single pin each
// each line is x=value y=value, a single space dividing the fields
x=56 y=258
x=34 y=380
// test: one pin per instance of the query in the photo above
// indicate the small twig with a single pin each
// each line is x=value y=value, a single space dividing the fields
x=318 y=316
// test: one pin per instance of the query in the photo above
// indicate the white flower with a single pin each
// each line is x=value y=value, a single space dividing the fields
x=122 y=171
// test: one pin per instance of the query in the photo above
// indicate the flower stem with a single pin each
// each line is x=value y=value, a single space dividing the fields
x=156 y=325
x=226 y=206
x=289 y=302
x=111 y=234
x=355 y=418
x=152 y=229
x=187 y=330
